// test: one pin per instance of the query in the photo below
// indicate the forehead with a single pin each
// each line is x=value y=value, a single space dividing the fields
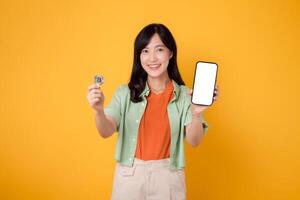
x=155 y=41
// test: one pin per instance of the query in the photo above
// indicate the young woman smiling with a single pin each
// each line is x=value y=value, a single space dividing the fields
x=153 y=115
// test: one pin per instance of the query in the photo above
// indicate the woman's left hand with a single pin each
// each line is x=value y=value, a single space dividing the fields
x=197 y=110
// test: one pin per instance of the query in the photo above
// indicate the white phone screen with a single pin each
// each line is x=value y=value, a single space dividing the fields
x=204 y=83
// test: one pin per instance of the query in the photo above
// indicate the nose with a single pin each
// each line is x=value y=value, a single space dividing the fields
x=152 y=57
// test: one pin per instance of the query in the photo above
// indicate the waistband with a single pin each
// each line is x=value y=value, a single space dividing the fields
x=157 y=163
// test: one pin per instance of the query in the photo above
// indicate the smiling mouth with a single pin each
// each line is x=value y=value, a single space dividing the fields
x=154 y=66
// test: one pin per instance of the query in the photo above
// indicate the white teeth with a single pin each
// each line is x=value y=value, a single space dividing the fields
x=153 y=66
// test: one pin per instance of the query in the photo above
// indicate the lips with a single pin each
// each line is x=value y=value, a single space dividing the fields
x=154 y=66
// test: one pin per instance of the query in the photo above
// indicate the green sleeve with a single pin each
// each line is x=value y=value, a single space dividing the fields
x=114 y=107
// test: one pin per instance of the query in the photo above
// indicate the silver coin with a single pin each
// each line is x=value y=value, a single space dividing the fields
x=99 y=79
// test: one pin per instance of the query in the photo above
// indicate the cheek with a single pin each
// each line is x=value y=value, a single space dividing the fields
x=164 y=60
x=164 y=57
x=142 y=60
x=144 y=64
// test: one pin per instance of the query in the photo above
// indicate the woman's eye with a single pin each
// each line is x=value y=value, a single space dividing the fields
x=144 y=51
x=160 y=49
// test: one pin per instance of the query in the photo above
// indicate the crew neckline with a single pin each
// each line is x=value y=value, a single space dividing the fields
x=164 y=91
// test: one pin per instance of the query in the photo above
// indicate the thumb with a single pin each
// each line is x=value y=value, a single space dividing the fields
x=190 y=92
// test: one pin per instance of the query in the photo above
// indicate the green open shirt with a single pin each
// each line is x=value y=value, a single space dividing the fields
x=129 y=114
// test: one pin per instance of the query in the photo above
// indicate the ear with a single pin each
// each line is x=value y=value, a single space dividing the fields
x=171 y=55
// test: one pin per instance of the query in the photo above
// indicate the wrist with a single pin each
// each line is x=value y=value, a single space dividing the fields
x=99 y=112
x=197 y=117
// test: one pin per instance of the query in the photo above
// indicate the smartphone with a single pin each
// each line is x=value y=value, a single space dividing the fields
x=205 y=78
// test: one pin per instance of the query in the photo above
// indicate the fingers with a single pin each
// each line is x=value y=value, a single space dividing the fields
x=94 y=101
x=93 y=96
x=94 y=92
x=93 y=86
x=216 y=93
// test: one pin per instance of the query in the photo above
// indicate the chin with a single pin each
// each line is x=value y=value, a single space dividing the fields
x=154 y=75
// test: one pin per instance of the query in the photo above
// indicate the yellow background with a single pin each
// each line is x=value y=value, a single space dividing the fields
x=50 y=51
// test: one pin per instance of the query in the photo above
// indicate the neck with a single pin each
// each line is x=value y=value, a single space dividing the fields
x=158 y=84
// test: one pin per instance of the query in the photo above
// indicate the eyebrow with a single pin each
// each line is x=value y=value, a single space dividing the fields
x=159 y=45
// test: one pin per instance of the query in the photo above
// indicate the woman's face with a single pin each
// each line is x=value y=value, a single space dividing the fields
x=155 y=57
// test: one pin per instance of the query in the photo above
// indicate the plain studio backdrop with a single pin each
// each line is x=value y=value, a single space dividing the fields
x=50 y=51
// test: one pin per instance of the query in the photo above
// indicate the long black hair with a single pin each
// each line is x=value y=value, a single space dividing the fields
x=138 y=77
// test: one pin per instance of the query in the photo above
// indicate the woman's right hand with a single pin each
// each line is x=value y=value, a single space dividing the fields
x=95 y=98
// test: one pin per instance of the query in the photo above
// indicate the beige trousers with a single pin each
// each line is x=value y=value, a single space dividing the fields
x=148 y=180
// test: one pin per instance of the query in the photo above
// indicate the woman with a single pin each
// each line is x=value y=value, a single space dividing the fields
x=153 y=115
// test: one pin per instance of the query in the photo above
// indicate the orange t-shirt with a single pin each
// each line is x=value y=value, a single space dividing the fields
x=154 y=135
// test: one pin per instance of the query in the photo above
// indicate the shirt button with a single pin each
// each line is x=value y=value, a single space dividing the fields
x=137 y=121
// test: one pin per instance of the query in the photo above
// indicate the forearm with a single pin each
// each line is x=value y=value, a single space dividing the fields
x=195 y=132
x=103 y=125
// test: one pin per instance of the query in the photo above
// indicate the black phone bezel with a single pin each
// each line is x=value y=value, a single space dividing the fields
x=194 y=82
